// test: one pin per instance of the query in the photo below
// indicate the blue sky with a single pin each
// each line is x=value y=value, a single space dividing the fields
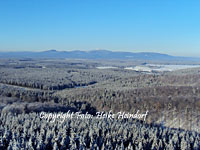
x=170 y=26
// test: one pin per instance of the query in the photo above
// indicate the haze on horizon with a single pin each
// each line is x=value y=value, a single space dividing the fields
x=170 y=27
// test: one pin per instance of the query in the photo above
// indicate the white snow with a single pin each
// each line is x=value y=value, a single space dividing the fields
x=160 y=68
x=106 y=67
x=139 y=68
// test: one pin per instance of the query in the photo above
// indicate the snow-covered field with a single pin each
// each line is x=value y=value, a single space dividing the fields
x=160 y=68
x=106 y=67
x=153 y=67
x=139 y=68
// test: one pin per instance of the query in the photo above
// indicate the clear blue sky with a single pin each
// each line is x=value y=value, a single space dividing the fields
x=165 y=26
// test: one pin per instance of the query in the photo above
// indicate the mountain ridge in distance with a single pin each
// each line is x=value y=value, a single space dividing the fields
x=96 y=54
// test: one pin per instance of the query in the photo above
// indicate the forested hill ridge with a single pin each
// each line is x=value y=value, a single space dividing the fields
x=96 y=54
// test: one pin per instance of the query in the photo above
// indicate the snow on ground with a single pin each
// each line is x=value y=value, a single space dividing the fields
x=153 y=67
x=160 y=68
x=106 y=67
x=139 y=68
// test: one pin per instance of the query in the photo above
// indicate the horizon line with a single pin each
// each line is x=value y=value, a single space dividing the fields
x=38 y=51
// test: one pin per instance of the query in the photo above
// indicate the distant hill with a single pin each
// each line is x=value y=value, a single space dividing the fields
x=96 y=54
